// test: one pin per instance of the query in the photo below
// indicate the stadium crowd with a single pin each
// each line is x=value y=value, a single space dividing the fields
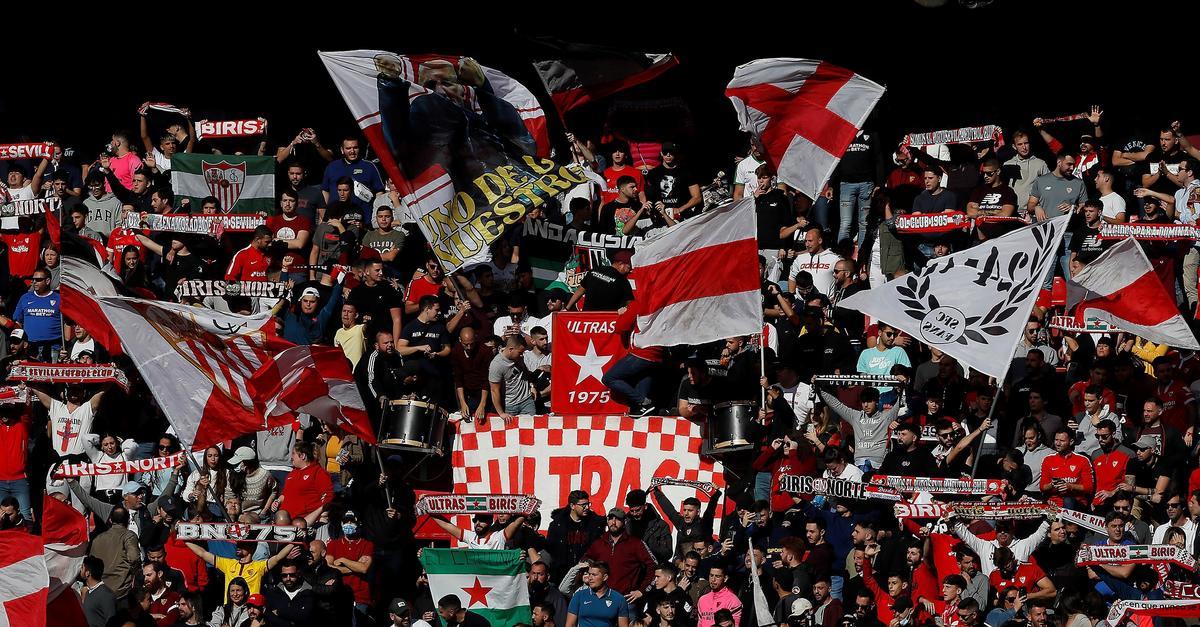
x=1102 y=424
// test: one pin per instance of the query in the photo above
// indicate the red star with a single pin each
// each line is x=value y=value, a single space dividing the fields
x=478 y=594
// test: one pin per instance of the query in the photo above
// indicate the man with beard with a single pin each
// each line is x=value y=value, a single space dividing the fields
x=310 y=202
x=384 y=374
x=645 y=523
x=630 y=561
x=670 y=187
x=99 y=602
x=542 y=593
x=572 y=530
x=364 y=177
x=164 y=602
x=331 y=599
x=291 y=602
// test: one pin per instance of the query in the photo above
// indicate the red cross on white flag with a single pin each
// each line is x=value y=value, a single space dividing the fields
x=804 y=112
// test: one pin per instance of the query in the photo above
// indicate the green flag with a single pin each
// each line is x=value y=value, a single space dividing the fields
x=241 y=184
x=488 y=582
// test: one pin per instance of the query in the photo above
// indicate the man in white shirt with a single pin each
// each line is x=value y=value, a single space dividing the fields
x=1187 y=208
x=796 y=393
x=816 y=260
x=1114 y=204
x=836 y=466
x=484 y=534
x=745 y=178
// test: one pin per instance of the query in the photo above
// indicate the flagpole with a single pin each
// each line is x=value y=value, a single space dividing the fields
x=191 y=462
x=982 y=438
x=387 y=494
x=762 y=368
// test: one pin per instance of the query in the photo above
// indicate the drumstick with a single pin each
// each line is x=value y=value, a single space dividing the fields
x=387 y=494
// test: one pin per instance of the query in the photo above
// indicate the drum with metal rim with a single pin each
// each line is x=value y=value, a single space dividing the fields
x=412 y=425
x=729 y=424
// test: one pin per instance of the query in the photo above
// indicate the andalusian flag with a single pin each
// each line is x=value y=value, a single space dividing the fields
x=488 y=582
x=243 y=184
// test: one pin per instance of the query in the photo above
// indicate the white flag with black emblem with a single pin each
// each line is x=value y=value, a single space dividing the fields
x=973 y=304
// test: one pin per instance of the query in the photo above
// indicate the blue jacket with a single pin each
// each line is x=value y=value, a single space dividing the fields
x=301 y=329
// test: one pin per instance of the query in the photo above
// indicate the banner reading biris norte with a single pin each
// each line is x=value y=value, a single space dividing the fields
x=605 y=456
x=465 y=144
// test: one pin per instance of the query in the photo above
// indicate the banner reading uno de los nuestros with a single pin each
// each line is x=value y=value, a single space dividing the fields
x=465 y=144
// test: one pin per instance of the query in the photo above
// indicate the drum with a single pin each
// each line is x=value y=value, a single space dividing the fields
x=411 y=425
x=729 y=424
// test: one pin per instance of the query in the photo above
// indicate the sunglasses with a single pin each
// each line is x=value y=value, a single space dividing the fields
x=1174 y=505
x=289 y=575
x=988 y=173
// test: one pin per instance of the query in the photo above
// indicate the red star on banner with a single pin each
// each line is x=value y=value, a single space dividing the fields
x=478 y=593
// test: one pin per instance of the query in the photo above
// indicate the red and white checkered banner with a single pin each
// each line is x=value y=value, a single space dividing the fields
x=1098 y=555
x=68 y=373
x=838 y=488
x=216 y=129
x=119 y=467
x=605 y=456
x=1144 y=231
x=27 y=150
x=939 y=485
x=477 y=504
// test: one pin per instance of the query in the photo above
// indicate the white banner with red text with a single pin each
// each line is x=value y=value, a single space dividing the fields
x=68 y=373
x=605 y=456
x=940 y=485
x=1099 y=555
x=27 y=150
x=218 y=129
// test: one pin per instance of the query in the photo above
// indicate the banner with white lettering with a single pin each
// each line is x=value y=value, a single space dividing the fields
x=213 y=225
x=240 y=532
x=971 y=304
x=27 y=150
x=561 y=256
x=35 y=207
x=585 y=345
x=1092 y=325
x=200 y=288
x=605 y=456
x=1145 y=231
x=119 y=467
x=839 y=488
x=1176 y=608
x=217 y=129
x=940 y=485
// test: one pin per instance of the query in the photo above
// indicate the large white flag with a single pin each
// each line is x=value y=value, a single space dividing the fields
x=197 y=362
x=971 y=305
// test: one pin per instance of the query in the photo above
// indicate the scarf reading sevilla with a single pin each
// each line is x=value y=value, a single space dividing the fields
x=1097 y=555
x=68 y=373
x=119 y=467
x=477 y=504
x=34 y=150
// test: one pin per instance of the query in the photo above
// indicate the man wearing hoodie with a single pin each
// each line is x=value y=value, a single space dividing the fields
x=291 y=603
x=572 y=530
x=645 y=523
x=629 y=560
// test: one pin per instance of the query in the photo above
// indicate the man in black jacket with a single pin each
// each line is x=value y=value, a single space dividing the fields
x=331 y=600
x=689 y=524
x=291 y=603
x=572 y=530
x=645 y=523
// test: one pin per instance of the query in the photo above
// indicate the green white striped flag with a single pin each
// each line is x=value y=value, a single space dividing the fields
x=242 y=184
x=488 y=582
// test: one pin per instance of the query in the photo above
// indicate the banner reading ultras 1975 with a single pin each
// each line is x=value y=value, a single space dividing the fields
x=465 y=144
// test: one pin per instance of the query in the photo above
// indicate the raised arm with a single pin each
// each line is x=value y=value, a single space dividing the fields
x=205 y=555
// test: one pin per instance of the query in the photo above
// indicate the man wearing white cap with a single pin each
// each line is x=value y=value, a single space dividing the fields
x=303 y=324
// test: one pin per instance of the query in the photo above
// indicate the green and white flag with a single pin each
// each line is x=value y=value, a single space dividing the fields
x=242 y=184
x=488 y=582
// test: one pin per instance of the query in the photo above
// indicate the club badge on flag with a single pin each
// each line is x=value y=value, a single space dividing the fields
x=243 y=184
x=585 y=346
x=972 y=304
x=804 y=112
x=487 y=582
x=467 y=154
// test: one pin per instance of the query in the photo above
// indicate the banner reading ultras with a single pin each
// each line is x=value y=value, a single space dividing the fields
x=465 y=144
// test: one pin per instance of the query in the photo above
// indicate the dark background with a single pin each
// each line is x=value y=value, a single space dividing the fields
x=943 y=67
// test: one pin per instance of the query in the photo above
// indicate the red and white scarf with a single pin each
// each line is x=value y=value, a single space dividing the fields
x=164 y=107
x=939 y=485
x=119 y=467
x=68 y=373
x=1099 y=554
x=27 y=150
x=217 y=129
x=477 y=504
x=964 y=135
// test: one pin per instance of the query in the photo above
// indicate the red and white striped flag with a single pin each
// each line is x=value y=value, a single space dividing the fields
x=804 y=112
x=65 y=536
x=1120 y=287
x=23 y=579
x=698 y=282
x=197 y=362
x=314 y=380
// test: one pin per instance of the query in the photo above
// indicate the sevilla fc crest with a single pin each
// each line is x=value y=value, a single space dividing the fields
x=237 y=531
x=225 y=181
